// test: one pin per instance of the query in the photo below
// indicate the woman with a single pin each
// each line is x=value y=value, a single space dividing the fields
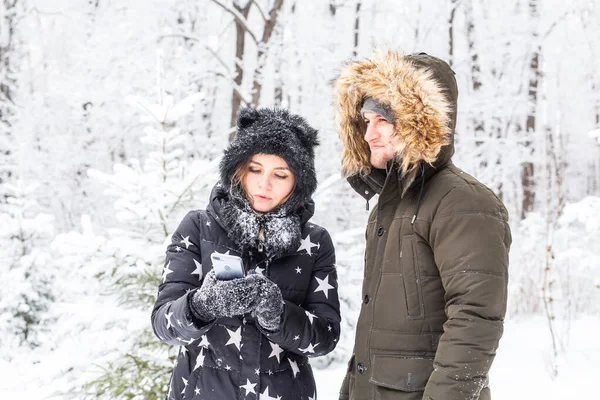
x=249 y=338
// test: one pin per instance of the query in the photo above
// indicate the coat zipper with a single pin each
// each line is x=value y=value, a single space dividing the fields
x=261 y=239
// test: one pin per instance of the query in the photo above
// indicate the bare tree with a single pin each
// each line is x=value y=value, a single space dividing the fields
x=356 y=28
x=8 y=23
x=240 y=13
x=279 y=84
x=473 y=52
x=527 y=167
x=261 y=57
x=453 y=6
x=240 y=43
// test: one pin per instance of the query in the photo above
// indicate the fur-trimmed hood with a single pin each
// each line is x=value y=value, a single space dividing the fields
x=422 y=93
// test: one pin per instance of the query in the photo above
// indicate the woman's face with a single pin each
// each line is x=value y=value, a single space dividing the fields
x=267 y=181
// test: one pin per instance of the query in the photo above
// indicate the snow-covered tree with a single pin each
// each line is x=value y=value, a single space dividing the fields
x=25 y=274
x=110 y=287
x=151 y=198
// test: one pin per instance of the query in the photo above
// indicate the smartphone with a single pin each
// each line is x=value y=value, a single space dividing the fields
x=227 y=266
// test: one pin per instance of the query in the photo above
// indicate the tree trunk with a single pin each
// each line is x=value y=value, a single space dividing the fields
x=8 y=22
x=453 y=7
x=473 y=53
x=356 y=28
x=7 y=32
x=527 y=167
x=597 y=101
x=261 y=57
x=333 y=7
x=279 y=83
x=240 y=35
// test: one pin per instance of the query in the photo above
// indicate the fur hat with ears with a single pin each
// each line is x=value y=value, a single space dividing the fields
x=277 y=132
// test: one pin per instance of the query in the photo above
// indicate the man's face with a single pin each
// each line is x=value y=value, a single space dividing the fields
x=380 y=137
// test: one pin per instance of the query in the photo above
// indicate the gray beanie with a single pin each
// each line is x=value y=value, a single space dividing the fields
x=371 y=105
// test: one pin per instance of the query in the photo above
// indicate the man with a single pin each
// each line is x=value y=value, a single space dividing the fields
x=436 y=263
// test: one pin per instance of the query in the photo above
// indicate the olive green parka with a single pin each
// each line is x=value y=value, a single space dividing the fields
x=436 y=262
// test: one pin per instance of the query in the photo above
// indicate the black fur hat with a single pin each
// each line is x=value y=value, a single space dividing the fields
x=277 y=132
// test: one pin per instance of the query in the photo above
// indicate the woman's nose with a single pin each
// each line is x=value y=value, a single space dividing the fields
x=264 y=182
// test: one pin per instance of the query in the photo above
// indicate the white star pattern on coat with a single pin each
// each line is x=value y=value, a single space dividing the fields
x=259 y=270
x=198 y=269
x=314 y=397
x=200 y=360
x=235 y=337
x=298 y=270
x=306 y=244
x=266 y=396
x=249 y=387
x=184 y=385
x=294 y=365
x=309 y=349
x=204 y=342
x=297 y=337
x=166 y=271
x=168 y=317
x=186 y=241
x=310 y=316
x=183 y=350
x=324 y=286
x=197 y=391
x=276 y=351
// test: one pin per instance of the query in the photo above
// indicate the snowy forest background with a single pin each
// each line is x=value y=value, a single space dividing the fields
x=113 y=116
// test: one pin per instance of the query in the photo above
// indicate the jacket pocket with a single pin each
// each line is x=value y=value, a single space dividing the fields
x=411 y=278
x=400 y=373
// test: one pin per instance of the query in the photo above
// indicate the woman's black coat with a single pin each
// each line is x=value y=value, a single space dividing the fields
x=233 y=358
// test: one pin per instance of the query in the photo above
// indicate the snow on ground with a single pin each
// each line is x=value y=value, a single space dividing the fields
x=521 y=369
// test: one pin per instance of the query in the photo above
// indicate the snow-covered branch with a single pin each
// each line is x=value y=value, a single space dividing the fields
x=239 y=17
x=229 y=75
x=260 y=10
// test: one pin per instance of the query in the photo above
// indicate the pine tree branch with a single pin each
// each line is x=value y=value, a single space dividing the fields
x=210 y=166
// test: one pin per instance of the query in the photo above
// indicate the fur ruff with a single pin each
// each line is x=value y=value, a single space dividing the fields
x=422 y=125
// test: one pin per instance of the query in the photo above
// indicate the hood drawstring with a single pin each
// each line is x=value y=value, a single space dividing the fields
x=420 y=194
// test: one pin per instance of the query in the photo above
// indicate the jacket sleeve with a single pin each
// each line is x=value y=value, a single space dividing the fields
x=470 y=238
x=172 y=320
x=313 y=329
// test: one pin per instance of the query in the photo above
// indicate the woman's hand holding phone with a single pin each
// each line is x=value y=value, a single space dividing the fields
x=225 y=298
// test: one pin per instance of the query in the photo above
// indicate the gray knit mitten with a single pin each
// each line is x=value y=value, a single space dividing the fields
x=217 y=298
x=270 y=306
